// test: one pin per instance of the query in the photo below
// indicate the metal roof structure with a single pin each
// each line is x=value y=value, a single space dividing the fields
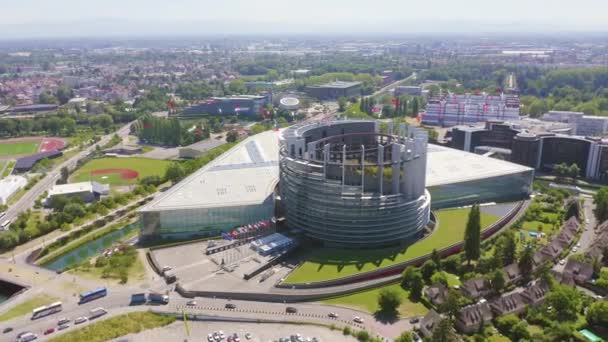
x=447 y=166
x=244 y=175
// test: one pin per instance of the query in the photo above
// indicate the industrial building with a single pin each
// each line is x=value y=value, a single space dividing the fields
x=243 y=105
x=448 y=110
x=345 y=184
x=86 y=191
x=334 y=90
x=539 y=149
x=581 y=124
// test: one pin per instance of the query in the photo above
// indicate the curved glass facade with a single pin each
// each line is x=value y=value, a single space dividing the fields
x=345 y=185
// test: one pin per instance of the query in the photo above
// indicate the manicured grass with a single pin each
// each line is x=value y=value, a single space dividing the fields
x=18 y=148
x=326 y=264
x=145 y=167
x=27 y=306
x=368 y=301
x=114 y=327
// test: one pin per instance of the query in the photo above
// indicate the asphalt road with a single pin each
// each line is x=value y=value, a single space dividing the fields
x=588 y=234
x=28 y=199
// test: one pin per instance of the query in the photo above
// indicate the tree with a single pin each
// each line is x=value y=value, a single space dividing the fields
x=526 y=262
x=231 y=136
x=341 y=104
x=175 y=173
x=415 y=108
x=405 y=337
x=506 y=248
x=505 y=323
x=436 y=258
x=600 y=199
x=443 y=332
x=389 y=301
x=565 y=301
x=64 y=94
x=47 y=98
x=520 y=332
x=452 y=303
x=597 y=314
x=428 y=269
x=573 y=172
x=439 y=278
x=497 y=280
x=572 y=208
x=65 y=173
x=412 y=281
x=472 y=235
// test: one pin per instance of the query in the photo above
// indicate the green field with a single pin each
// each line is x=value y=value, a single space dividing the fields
x=18 y=148
x=368 y=301
x=145 y=167
x=26 y=307
x=327 y=264
x=114 y=327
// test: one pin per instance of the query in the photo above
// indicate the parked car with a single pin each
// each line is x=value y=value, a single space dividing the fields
x=7 y=330
x=248 y=336
x=414 y=320
x=63 y=321
x=49 y=331
x=358 y=319
x=210 y=338
x=191 y=303
x=80 y=320
x=63 y=326
x=333 y=315
x=291 y=309
x=230 y=306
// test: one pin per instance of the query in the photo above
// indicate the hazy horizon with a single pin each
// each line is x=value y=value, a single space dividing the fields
x=113 y=18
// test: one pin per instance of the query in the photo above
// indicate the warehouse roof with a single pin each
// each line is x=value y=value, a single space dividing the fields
x=245 y=175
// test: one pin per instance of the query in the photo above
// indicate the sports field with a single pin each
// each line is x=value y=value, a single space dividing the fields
x=16 y=148
x=327 y=264
x=119 y=171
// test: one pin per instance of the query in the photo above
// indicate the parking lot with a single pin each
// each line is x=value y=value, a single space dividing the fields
x=259 y=332
x=222 y=271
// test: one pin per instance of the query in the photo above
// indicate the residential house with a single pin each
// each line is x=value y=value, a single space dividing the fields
x=510 y=303
x=596 y=249
x=512 y=272
x=475 y=288
x=436 y=294
x=429 y=322
x=581 y=272
x=535 y=294
x=470 y=318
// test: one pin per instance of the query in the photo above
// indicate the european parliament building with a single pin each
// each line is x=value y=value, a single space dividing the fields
x=343 y=183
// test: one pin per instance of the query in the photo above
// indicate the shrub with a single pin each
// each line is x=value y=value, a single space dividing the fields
x=346 y=331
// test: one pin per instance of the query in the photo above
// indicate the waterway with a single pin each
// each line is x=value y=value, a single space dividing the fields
x=89 y=249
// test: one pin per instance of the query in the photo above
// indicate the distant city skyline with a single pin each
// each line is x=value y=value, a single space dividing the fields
x=73 y=18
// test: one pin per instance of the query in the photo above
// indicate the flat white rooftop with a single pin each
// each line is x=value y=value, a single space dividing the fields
x=447 y=165
x=244 y=175
x=248 y=173
x=71 y=188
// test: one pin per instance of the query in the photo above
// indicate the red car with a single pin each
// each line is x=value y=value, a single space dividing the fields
x=49 y=331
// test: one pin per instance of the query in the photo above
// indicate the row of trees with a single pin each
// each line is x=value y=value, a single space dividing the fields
x=158 y=130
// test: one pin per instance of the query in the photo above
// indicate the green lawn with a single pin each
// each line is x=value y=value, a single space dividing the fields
x=145 y=167
x=114 y=327
x=368 y=301
x=326 y=264
x=18 y=148
x=27 y=306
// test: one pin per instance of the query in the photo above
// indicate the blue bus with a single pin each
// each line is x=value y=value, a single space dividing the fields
x=91 y=295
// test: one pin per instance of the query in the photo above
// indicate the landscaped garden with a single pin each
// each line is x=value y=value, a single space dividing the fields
x=326 y=264
x=368 y=301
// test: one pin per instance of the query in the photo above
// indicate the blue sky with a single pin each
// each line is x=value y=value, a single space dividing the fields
x=97 y=17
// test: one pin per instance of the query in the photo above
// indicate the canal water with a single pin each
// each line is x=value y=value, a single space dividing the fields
x=89 y=249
